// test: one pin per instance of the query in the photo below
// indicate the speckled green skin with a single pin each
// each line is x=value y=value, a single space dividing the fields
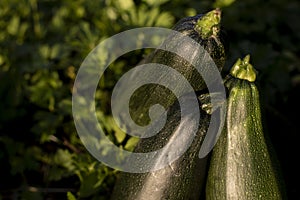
x=181 y=180
x=241 y=166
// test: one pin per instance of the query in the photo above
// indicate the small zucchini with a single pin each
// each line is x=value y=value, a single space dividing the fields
x=242 y=166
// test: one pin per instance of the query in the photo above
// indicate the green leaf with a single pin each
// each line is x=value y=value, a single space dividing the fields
x=70 y=196
x=223 y=3
x=131 y=143
x=65 y=159
x=91 y=182
x=155 y=3
x=165 y=19
x=124 y=4
x=13 y=25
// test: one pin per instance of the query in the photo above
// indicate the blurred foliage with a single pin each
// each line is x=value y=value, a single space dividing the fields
x=43 y=43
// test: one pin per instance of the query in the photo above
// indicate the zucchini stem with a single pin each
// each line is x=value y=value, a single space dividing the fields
x=209 y=24
x=242 y=69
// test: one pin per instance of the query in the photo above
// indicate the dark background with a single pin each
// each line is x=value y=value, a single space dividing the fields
x=42 y=44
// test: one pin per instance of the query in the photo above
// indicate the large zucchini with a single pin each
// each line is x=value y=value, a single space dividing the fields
x=242 y=166
x=183 y=178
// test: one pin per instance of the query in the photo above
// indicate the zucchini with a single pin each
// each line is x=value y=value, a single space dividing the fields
x=242 y=165
x=183 y=178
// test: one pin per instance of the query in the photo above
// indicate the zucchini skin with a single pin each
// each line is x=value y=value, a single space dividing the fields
x=241 y=165
x=180 y=180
